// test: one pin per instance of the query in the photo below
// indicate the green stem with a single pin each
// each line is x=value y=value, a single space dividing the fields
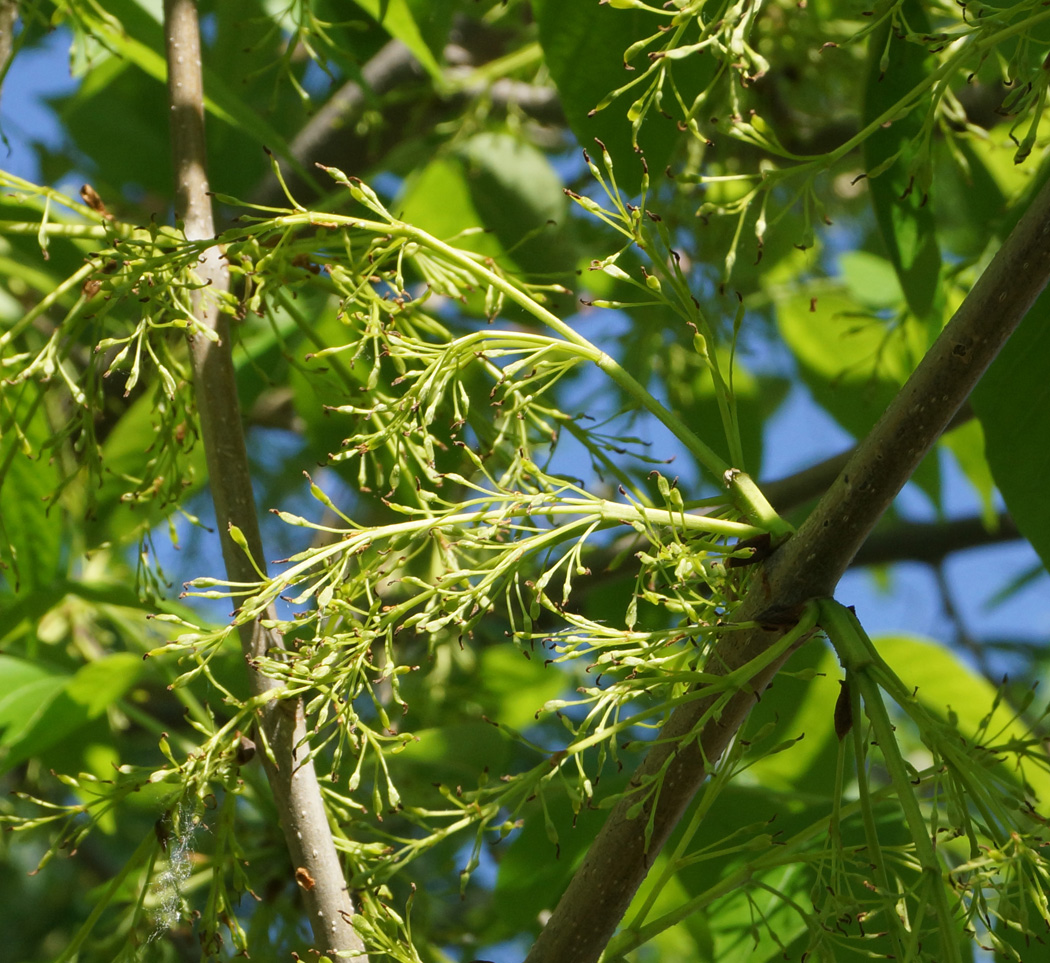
x=860 y=659
x=782 y=854
x=871 y=833
x=149 y=842
x=747 y=497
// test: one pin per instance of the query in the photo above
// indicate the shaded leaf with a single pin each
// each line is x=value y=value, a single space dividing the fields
x=30 y=535
x=899 y=194
x=1013 y=403
x=584 y=46
x=942 y=683
x=497 y=182
x=397 y=17
x=41 y=709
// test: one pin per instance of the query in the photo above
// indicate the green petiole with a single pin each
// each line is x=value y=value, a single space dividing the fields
x=863 y=664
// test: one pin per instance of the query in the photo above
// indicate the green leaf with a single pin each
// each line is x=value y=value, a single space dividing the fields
x=942 y=682
x=689 y=940
x=803 y=709
x=124 y=459
x=396 y=16
x=30 y=535
x=456 y=752
x=516 y=688
x=966 y=443
x=519 y=197
x=100 y=683
x=497 y=182
x=116 y=104
x=972 y=202
x=871 y=280
x=899 y=195
x=1013 y=404
x=853 y=362
x=691 y=389
x=584 y=46
x=26 y=689
x=532 y=874
x=42 y=709
x=438 y=199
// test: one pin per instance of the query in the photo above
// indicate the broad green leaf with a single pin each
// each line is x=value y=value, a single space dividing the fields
x=736 y=937
x=854 y=362
x=116 y=104
x=803 y=708
x=942 y=682
x=899 y=195
x=689 y=940
x=500 y=183
x=517 y=687
x=691 y=390
x=397 y=17
x=452 y=753
x=973 y=205
x=131 y=104
x=532 y=872
x=584 y=46
x=30 y=607
x=30 y=534
x=438 y=199
x=519 y=197
x=1013 y=403
x=54 y=706
x=434 y=19
x=100 y=683
x=124 y=459
x=26 y=688
x=871 y=280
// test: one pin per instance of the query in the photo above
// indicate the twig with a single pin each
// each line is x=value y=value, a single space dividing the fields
x=807 y=566
x=930 y=542
x=329 y=136
x=282 y=725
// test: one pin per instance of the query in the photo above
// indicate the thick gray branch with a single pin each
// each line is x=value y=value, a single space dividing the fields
x=807 y=566
x=315 y=862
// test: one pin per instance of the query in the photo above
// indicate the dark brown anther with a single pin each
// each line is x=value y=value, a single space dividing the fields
x=91 y=197
x=160 y=829
x=245 y=750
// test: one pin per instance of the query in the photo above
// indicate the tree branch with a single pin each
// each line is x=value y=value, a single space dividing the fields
x=330 y=137
x=807 y=566
x=8 y=19
x=281 y=724
x=930 y=542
